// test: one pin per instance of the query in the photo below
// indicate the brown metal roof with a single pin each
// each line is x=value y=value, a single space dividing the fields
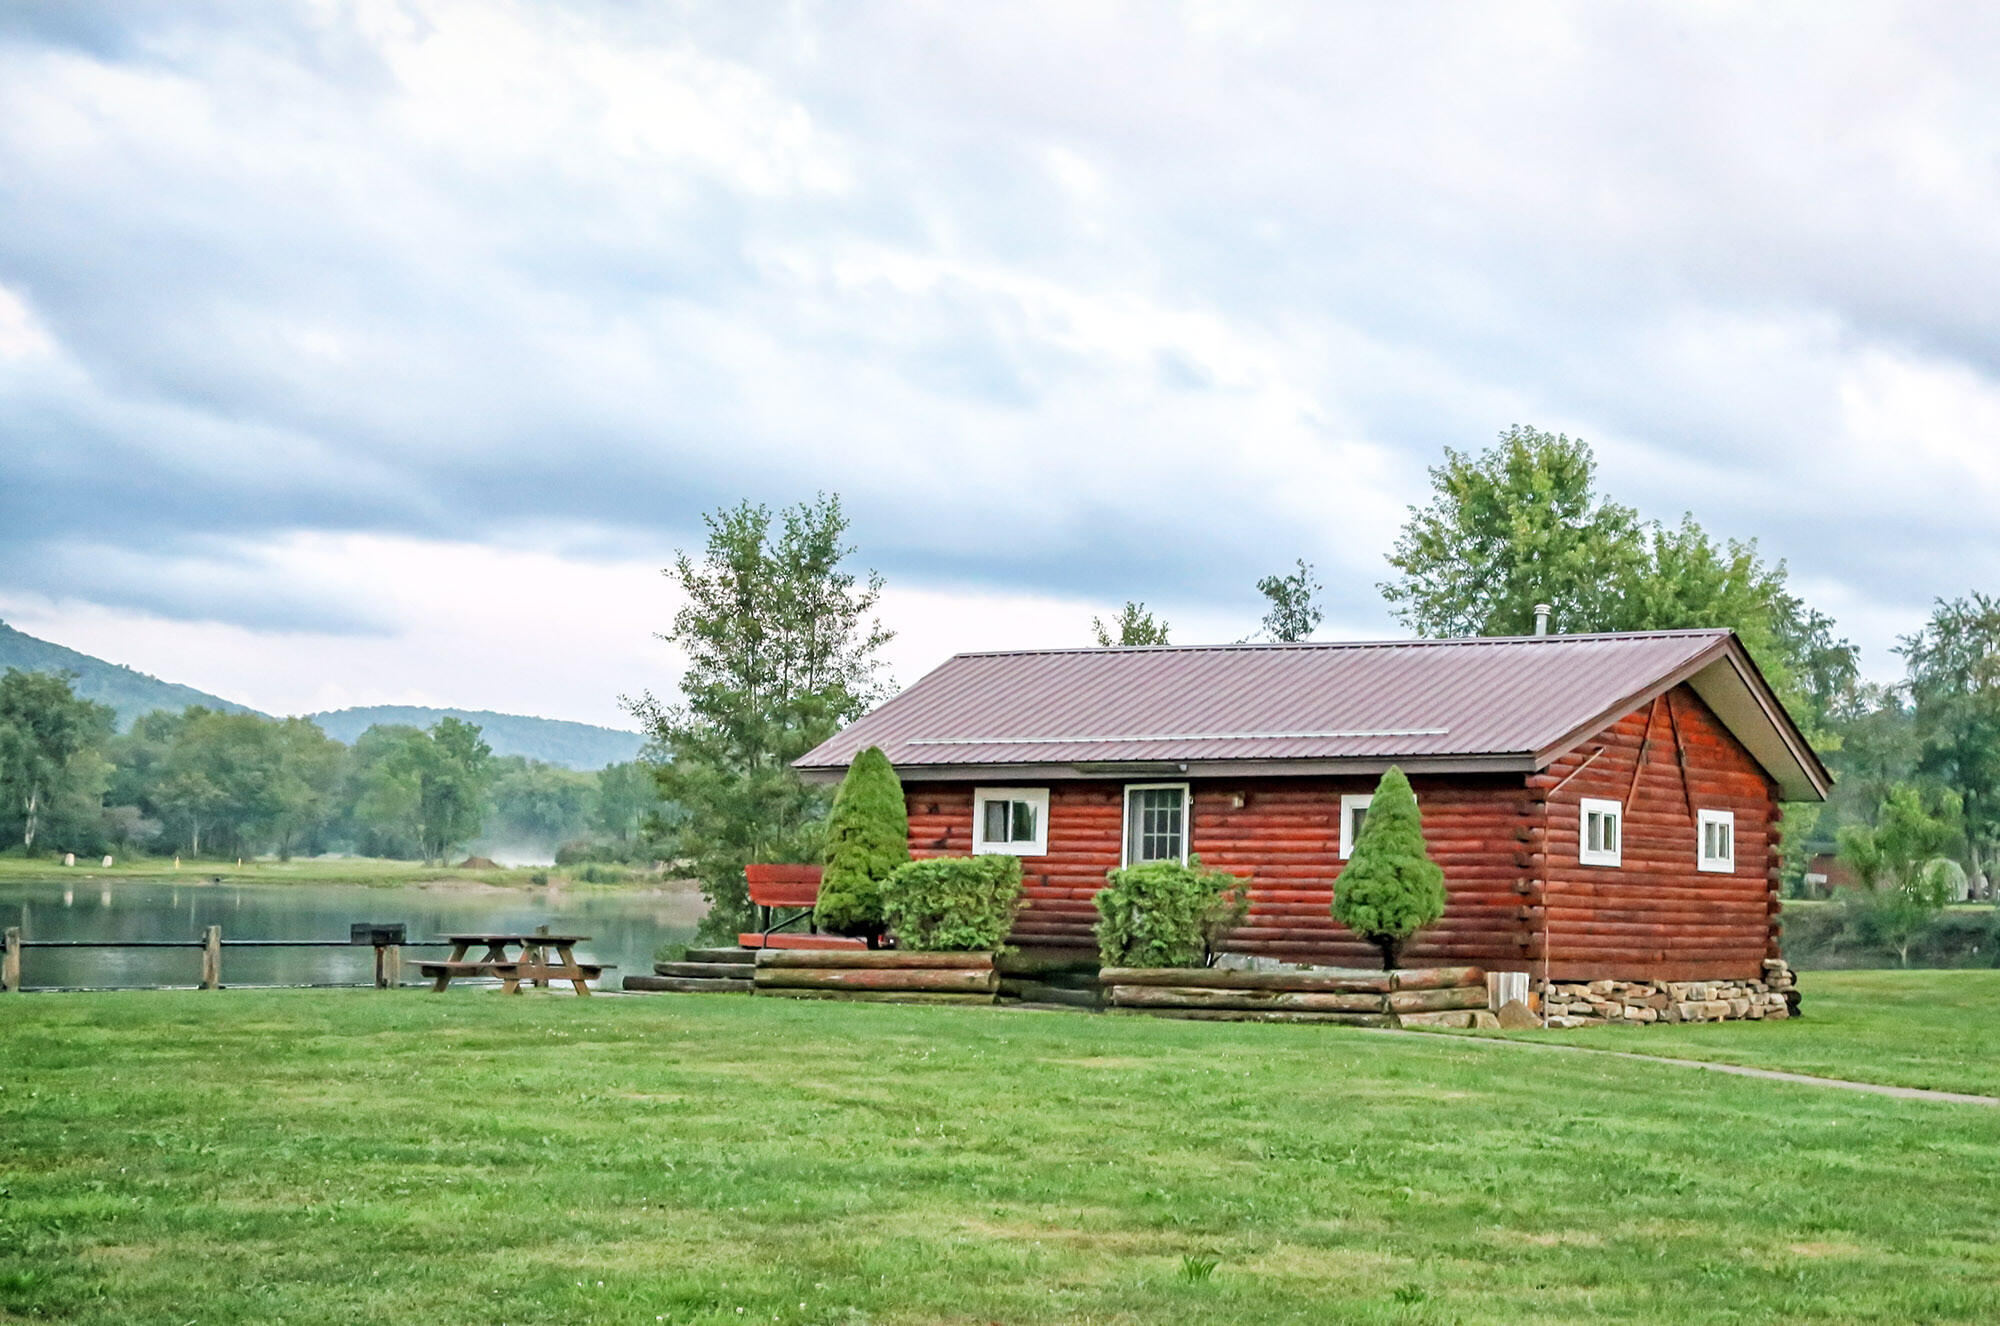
x=1431 y=701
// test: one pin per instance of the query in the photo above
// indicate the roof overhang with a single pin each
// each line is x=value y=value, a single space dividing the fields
x=1127 y=770
x=1729 y=683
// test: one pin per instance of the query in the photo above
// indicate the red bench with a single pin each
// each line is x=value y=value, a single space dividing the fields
x=775 y=888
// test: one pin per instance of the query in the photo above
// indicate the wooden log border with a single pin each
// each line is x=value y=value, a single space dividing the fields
x=877 y=975
x=1422 y=996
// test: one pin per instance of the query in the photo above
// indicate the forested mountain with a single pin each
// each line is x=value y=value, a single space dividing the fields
x=129 y=692
x=132 y=693
x=549 y=740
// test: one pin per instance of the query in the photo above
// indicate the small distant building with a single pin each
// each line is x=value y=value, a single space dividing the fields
x=1603 y=806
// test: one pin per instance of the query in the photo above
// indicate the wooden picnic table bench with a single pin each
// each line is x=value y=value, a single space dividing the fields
x=532 y=964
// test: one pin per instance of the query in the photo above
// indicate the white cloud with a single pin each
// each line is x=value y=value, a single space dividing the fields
x=1071 y=302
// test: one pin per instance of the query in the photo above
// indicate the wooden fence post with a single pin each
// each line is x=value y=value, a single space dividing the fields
x=388 y=966
x=211 y=958
x=10 y=961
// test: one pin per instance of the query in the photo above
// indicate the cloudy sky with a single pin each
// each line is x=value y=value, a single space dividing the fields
x=382 y=352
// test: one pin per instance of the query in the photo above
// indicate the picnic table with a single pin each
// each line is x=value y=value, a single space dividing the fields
x=533 y=964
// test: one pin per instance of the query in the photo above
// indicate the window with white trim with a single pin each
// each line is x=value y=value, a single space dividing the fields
x=1718 y=841
x=1010 y=821
x=1156 y=823
x=1601 y=832
x=1353 y=810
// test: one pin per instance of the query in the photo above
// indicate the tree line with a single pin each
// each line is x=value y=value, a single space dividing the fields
x=201 y=782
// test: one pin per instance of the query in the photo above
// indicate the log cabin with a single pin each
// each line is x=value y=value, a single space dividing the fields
x=1603 y=806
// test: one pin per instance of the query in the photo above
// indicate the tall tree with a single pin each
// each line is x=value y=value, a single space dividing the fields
x=1132 y=626
x=452 y=776
x=1295 y=612
x=48 y=740
x=532 y=802
x=1522 y=523
x=783 y=649
x=301 y=794
x=1511 y=527
x=627 y=796
x=1954 y=686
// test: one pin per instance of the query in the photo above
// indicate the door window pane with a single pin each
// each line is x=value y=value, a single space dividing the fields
x=1155 y=824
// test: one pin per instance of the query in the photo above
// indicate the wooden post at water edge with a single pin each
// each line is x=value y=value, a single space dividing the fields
x=211 y=958
x=388 y=966
x=10 y=961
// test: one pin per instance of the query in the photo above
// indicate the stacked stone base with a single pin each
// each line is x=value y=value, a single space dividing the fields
x=1639 y=1003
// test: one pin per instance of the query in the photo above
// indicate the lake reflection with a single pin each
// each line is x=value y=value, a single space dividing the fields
x=626 y=925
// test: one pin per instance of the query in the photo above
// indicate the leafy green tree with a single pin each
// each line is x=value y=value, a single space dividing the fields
x=783 y=649
x=381 y=792
x=50 y=744
x=1517 y=525
x=220 y=782
x=302 y=792
x=532 y=802
x=1954 y=685
x=416 y=792
x=452 y=776
x=628 y=795
x=1390 y=888
x=1132 y=626
x=1295 y=612
x=867 y=838
x=1903 y=866
x=1522 y=524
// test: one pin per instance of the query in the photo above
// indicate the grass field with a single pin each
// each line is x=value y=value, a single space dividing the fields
x=311 y=1156
x=1932 y=1029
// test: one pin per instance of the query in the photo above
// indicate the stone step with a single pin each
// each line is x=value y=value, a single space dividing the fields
x=707 y=971
x=686 y=985
x=731 y=956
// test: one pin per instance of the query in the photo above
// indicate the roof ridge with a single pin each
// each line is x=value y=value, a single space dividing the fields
x=1403 y=643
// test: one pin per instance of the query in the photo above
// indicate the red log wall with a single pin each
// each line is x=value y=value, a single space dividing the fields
x=1656 y=915
x=1284 y=838
x=1508 y=845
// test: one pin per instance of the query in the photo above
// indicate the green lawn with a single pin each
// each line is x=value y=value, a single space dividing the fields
x=362 y=1156
x=1937 y=1029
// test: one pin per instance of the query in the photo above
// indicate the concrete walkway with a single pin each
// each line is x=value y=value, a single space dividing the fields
x=1734 y=1070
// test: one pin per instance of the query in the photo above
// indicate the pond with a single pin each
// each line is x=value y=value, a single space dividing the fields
x=625 y=924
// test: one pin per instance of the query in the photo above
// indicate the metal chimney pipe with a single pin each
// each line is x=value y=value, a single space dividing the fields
x=1542 y=611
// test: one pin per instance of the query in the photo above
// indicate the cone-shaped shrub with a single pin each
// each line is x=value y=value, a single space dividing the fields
x=1390 y=888
x=867 y=837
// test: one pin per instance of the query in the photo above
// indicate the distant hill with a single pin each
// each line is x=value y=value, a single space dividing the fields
x=550 y=740
x=130 y=692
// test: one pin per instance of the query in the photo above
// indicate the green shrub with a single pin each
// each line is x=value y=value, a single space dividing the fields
x=953 y=904
x=1390 y=888
x=1165 y=914
x=867 y=838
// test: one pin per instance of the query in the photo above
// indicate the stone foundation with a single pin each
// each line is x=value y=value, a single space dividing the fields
x=1599 y=1003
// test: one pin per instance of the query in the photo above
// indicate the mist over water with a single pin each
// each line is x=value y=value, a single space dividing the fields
x=625 y=924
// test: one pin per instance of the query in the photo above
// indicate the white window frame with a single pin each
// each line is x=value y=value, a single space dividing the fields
x=1349 y=803
x=1038 y=797
x=1125 y=818
x=1714 y=865
x=1594 y=805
